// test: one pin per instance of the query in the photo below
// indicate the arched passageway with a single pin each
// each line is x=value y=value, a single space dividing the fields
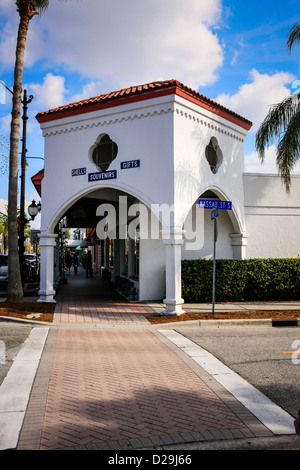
x=198 y=224
x=117 y=230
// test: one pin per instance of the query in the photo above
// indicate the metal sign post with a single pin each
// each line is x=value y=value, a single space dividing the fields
x=214 y=216
x=217 y=205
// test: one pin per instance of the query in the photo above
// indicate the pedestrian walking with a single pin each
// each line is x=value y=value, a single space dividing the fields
x=75 y=263
x=89 y=264
x=68 y=260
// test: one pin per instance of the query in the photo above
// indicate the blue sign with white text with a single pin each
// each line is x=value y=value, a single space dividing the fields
x=215 y=204
x=103 y=175
x=130 y=164
x=78 y=171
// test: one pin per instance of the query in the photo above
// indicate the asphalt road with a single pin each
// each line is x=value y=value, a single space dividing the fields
x=264 y=356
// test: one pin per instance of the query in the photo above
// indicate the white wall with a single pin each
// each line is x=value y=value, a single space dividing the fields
x=143 y=133
x=193 y=129
x=272 y=216
x=204 y=249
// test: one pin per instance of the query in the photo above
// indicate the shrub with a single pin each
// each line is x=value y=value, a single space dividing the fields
x=252 y=280
x=272 y=279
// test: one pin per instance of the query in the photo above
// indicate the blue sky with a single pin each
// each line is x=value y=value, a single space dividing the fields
x=231 y=51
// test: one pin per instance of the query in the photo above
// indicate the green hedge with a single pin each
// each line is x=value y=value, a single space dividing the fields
x=236 y=280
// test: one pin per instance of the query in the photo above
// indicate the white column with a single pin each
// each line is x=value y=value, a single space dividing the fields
x=47 y=244
x=173 y=300
x=238 y=243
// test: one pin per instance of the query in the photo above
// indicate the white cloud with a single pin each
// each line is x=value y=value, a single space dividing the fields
x=52 y=93
x=253 y=164
x=8 y=43
x=49 y=94
x=5 y=124
x=89 y=90
x=234 y=58
x=6 y=5
x=125 y=43
x=254 y=99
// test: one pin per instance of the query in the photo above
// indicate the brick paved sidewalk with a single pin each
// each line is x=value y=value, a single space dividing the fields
x=108 y=380
x=90 y=310
x=90 y=300
x=127 y=389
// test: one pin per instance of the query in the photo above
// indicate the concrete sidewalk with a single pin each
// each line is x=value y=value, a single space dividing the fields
x=221 y=307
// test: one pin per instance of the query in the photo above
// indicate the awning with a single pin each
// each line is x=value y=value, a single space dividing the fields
x=91 y=238
x=73 y=243
x=37 y=181
x=90 y=234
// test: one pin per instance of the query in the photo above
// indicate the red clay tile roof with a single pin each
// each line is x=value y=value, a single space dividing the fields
x=139 y=93
x=37 y=181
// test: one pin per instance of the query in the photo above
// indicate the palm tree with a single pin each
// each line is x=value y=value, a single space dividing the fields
x=27 y=9
x=283 y=124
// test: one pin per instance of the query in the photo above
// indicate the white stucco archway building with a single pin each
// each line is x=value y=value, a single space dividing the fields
x=165 y=146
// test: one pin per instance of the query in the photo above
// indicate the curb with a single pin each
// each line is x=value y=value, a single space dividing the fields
x=191 y=323
x=249 y=322
x=23 y=320
x=237 y=322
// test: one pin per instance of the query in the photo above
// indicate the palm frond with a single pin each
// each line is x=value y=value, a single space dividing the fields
x=41 y=5
x=288 y=150
x=276 y=122
x=294 y=36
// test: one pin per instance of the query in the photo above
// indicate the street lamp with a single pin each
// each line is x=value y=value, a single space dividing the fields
x=34 y=209
x=22 y=219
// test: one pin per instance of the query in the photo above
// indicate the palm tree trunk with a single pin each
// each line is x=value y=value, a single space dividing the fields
x=15 y=288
